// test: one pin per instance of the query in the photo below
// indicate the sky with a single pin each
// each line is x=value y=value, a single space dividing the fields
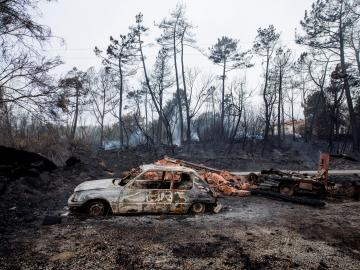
x=87 y=23
x=84 y=24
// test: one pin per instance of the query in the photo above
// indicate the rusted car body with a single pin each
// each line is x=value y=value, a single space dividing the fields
x=157 y=189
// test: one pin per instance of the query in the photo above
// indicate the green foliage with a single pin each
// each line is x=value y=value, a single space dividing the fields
x=266 y=40
x=227 y=50
x=326 y=23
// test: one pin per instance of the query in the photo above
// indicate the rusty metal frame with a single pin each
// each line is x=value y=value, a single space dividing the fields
x=122 y=199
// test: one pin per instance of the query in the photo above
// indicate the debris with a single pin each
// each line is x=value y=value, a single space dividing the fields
x=291 y=183
x=62 y=256
x=222 y=181
x=267 y=182
x=217 y=208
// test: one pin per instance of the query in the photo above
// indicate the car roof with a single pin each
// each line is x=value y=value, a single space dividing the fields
x=169 y=168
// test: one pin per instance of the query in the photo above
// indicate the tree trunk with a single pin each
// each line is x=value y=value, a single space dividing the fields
x=233 y=135
x=305 y=120
x=73 y=131
x=279 y=108
x=121 y=130
x=160 y=112
x=178 y=94
x=102 y=115
x=357 y=57
x=187 y=105
x=214 y=112
x=267 y=116
x=245 y=130
x=321 y=86
x=146 y=111
x=292 y=114
x=355 y=145
x=222 y=115
x=160 y=124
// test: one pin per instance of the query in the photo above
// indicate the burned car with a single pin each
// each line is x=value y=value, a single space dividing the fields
x=156 y=189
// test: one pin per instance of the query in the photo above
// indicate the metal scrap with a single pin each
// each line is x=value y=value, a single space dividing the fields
x=287 y=183
x=224 y=182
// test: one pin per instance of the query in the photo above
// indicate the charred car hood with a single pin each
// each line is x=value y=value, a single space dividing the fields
x=95 y=184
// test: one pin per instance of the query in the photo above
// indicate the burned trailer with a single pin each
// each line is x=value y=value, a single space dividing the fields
x=290 y=183
x=155 y=189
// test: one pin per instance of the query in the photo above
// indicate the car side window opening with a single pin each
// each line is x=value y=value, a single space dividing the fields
x=124 y=181
x=182 y=181
x=151 y=180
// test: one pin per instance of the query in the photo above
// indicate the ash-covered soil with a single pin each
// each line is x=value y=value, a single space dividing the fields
x=250 y=233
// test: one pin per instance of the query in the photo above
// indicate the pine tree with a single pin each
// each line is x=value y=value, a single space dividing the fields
x=226 y=53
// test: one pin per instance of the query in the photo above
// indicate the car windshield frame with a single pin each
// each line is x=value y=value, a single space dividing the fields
x=140 y=175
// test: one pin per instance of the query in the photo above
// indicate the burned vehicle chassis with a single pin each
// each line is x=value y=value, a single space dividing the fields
x=157 y=189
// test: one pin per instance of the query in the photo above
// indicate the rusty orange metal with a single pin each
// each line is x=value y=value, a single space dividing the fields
x=324 y=167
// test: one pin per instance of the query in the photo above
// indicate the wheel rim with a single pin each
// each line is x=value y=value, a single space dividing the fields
x=198 y=208
x=253 y=178
x=286 y=190
x=96 y=209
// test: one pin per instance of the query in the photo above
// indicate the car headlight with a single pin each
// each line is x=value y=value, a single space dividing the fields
x=75 y=197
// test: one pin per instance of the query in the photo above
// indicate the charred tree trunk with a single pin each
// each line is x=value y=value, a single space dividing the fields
x=160 y=124
x=147 y=81
x=222 y=113
x=121 y=92
x=233 y=135
x=178 y=94
x=188 y=119
x=292 y=115
x=279 y=108
x=266 y=103
x=74 y=126
x=102 y=119
x=352 y=116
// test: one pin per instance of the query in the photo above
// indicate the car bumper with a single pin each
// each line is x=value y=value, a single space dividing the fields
x=74 y=204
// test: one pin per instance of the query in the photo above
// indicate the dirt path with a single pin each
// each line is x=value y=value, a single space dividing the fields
x=251 y=233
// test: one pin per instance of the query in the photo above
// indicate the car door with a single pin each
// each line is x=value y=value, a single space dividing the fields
x=181 y=192
x=147 y=193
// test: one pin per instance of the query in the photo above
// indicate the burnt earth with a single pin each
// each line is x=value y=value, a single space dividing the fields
x=250 y=233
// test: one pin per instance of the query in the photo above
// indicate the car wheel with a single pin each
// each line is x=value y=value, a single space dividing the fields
x=96 y=208
x=198 y=208
x=253 y=178
x=287 y=190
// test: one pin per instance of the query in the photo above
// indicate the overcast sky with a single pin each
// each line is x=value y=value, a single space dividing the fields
x=88 y=23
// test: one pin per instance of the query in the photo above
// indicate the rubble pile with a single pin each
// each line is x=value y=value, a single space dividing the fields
x=227 y=183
